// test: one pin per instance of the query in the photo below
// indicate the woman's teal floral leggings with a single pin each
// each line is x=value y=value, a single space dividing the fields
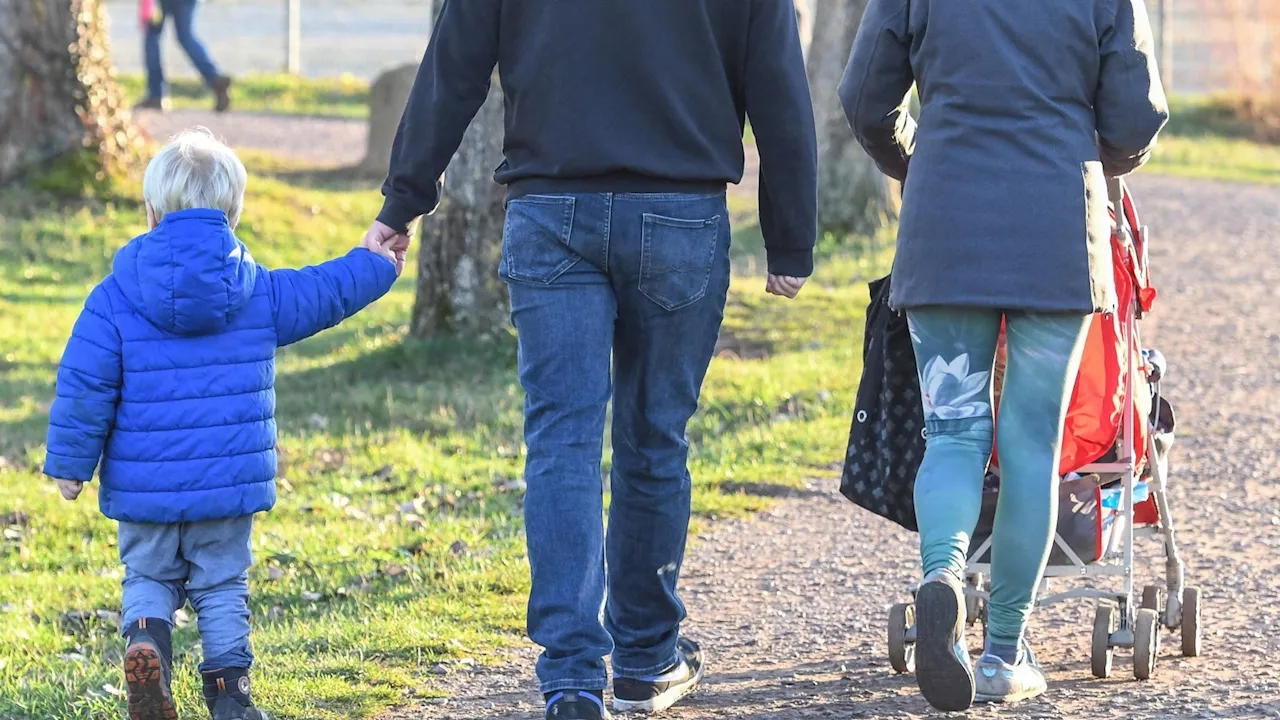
x=955 y=350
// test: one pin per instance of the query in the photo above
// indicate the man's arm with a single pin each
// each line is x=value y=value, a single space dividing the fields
x=875 y=86
x=452 y=83
x=781 y=114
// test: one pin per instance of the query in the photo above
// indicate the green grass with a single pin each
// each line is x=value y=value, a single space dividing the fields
x=345 y=96
x=1207 y=138
x=396 y=543
x=1216 y=158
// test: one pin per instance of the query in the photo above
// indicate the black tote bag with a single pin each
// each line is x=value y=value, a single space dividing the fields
x=887 y=437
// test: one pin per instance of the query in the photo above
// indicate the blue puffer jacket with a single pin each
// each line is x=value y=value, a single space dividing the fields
x=169 y=375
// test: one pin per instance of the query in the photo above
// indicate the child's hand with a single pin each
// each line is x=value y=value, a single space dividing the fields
x=70 y=488
x=387 y=249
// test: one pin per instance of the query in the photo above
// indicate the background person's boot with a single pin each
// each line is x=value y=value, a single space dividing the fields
x=221 y=86
x=148 y=663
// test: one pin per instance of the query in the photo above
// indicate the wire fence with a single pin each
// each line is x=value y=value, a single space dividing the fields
x=1208 y=45
x=1218 y=46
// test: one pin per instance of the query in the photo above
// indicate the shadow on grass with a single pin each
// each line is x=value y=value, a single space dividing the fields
x=342 y=179
x=425 y=386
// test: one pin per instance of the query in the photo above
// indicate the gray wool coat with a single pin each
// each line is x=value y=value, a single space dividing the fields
x=1025 y=107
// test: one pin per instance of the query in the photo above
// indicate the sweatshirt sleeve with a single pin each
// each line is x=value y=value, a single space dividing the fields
x=87 y=393
x=781 y=114
x=875 y=86
x=317 y=298
x=452 y=84
x=1130 y=108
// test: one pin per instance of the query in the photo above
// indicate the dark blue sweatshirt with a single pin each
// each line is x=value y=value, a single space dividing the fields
x=620 y=96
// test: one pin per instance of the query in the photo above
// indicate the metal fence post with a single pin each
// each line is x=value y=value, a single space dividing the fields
x=293 y=38
x=1166 y=44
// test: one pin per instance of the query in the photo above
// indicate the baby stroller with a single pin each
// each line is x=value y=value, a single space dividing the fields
x=1114 y=460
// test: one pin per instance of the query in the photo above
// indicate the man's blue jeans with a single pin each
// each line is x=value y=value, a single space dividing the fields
x=204 y=562
x=613 y=296
x=183 y=14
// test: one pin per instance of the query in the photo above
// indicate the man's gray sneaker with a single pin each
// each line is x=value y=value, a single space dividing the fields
x=943 y=669
x=659 y=692
x=999 y=682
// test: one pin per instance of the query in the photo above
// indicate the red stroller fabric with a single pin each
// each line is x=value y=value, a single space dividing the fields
x=1094 y=417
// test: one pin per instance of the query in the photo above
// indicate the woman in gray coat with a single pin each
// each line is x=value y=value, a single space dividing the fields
x=1025 y=108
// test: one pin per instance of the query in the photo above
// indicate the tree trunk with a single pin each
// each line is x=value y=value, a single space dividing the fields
x=461 y=244
x=854 y=198
x=58 y=95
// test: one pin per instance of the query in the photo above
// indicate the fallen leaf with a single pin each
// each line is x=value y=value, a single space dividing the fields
x=182 y=618
x=16 y=517
x=275 y=573
x=393 y=570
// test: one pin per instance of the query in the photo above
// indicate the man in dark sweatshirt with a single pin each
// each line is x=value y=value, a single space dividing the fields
x=624 y=123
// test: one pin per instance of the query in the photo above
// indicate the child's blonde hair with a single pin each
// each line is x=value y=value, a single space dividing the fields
x=195 y=171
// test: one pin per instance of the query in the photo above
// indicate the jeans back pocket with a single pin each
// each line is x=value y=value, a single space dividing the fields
x=535 y=239
x=676 y=258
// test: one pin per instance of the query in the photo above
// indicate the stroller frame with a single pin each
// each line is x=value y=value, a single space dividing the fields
x=1119 y=621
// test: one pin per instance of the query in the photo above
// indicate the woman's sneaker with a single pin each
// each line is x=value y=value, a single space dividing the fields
x=942 y=660
x=576 y=705
x=1000 y=682
x=148 y=659
x=659 y=692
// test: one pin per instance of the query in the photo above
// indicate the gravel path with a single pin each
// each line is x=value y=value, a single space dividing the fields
x=791 y=605
x=327 y=141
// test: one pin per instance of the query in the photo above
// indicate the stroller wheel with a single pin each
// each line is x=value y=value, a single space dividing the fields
x=973 y=604
x=902 y=650
x=1191 y=622
x=1151 y=598
x=1104 y=622
x=1146 y=643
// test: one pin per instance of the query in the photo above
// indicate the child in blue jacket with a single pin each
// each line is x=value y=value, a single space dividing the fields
x=168 y=380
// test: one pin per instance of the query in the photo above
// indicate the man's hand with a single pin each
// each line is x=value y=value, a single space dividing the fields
x=383 y=236
x=385 y=249
x=784 y=285
x=70 y=488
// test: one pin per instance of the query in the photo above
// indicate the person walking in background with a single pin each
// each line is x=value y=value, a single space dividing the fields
x=624 y=124
x=154 y=14
x=1025 y=109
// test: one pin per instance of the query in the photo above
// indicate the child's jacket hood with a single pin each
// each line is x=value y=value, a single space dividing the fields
x=188 y=276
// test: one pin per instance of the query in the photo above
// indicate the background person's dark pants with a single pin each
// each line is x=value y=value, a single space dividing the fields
x=635 y=283
x=182 y=13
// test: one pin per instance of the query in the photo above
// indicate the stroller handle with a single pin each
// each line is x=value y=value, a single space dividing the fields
x=1115 y=193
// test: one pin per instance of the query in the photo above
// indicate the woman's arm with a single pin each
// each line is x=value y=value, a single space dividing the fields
x=1130 y=108
x=875 y=86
